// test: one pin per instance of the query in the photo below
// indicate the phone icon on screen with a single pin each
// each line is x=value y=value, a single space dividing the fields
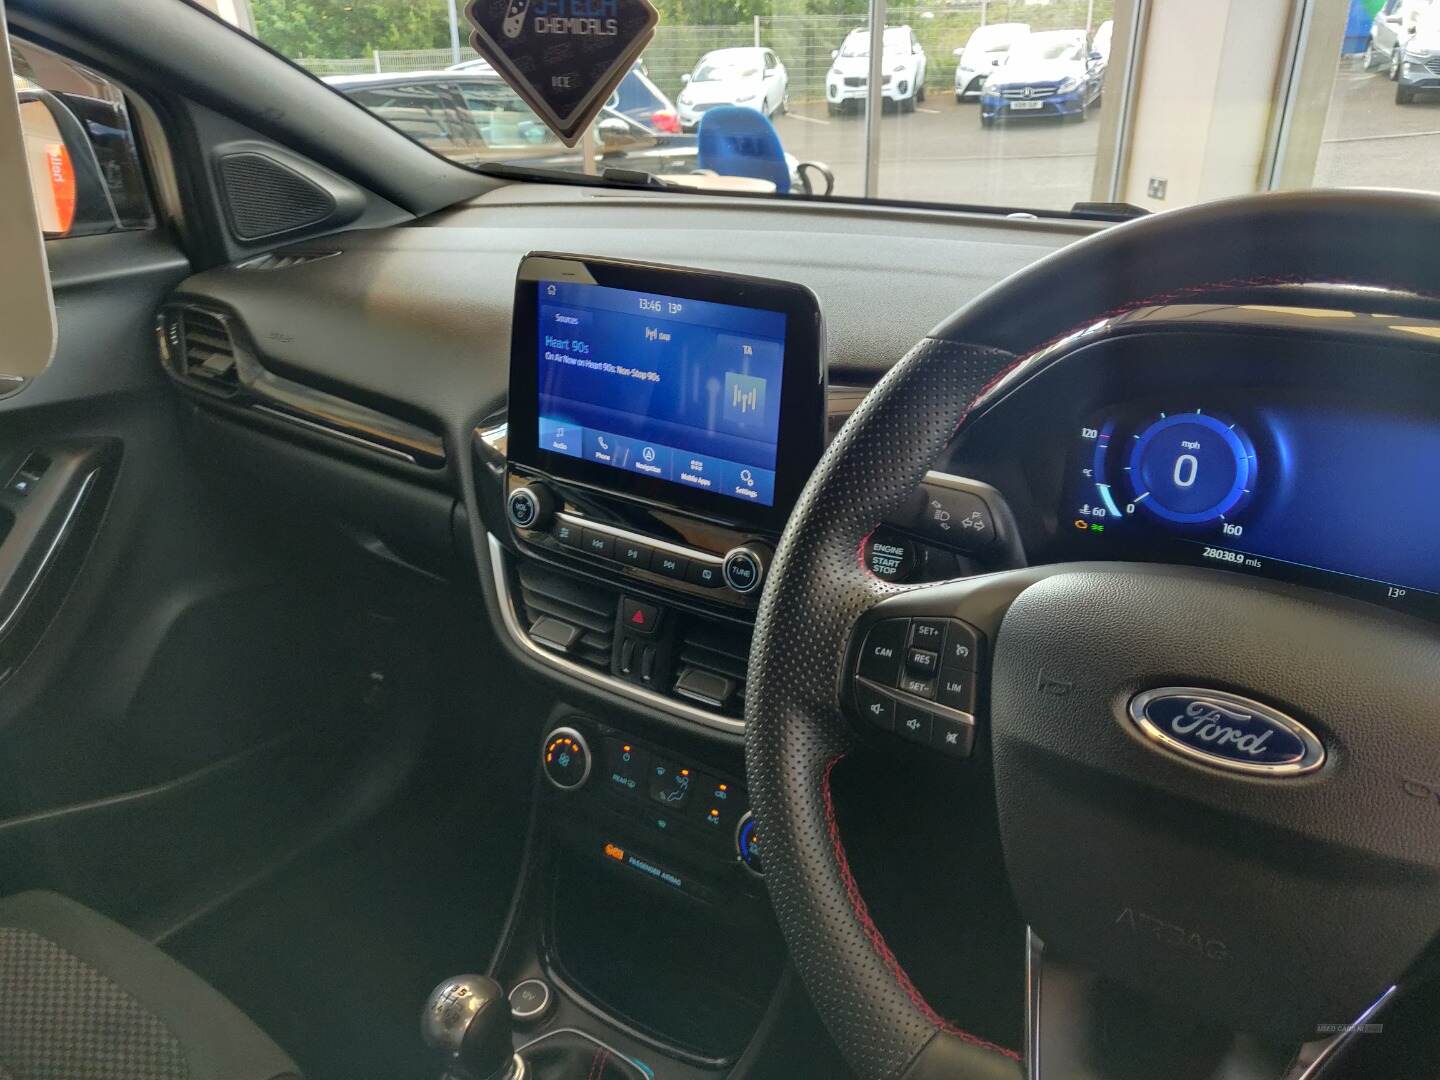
x=600 y=441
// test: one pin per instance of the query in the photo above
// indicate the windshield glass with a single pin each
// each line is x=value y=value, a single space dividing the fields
x=1189 y=103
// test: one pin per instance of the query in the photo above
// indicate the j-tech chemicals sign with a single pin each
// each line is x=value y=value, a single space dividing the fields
x=564 y=57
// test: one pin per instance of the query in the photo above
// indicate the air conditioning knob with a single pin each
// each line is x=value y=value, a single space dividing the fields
x=744 y=567
x=566 y=758
x=530 y=506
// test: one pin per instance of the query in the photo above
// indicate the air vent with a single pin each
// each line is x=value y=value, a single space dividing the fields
x=571 y=603
x=713 y=665
x=283 y=260
x=207 y=351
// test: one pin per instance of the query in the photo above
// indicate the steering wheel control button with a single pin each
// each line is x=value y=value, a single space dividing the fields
x=672 y=566
x=922 y=686
x=913 y=722
x=632 y=554
x=956 y=690
x=706 y=574
x=952 y=736
x=530 y=1001
x=747 y=845
x=743 y=570
x=876 y=706
x=922 y=661
x=962 y=646
x=599 y=544
x=638 y=618
x=529 y=507
x=890 y=557
x=958 y=519
x=928 y=634
x=880 y=655
x=570 y=535
x=669 y=783
x=566 y=759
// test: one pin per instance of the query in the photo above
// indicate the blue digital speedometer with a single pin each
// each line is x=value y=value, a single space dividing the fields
x=1190 y=468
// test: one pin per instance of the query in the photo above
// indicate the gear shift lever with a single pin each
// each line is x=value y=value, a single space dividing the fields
x=467 y=1018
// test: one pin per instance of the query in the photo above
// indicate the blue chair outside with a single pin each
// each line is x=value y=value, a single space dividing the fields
x=735 y=141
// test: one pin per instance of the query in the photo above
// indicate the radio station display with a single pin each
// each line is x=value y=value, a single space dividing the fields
x=675 y=389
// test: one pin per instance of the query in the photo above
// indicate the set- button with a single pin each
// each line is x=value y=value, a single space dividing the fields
x=918 y=679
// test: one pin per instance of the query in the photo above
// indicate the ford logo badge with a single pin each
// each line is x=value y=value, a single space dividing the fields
x=1226 y=731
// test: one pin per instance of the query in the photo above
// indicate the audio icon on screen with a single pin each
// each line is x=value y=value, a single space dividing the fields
x=744 y=401
x=744 y=398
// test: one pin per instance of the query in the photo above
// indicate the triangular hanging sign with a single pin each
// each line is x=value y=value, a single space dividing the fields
x=563 y=57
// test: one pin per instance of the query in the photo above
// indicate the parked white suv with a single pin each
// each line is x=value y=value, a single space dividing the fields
x=903 y=65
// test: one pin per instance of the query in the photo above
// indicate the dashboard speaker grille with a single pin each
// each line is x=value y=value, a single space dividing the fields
x=265 y=198
x=588 y=607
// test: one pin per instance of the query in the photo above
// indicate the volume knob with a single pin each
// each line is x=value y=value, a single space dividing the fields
x=530 y=506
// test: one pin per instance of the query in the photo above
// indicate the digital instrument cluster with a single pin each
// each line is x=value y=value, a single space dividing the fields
x=1298 y=489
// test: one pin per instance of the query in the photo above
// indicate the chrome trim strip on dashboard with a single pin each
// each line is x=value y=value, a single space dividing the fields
x=638 y=694
x=638 y=538
x=589 y=1038
x=334 y=433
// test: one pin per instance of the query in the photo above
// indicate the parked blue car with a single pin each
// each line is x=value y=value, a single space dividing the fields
x=1052 y=73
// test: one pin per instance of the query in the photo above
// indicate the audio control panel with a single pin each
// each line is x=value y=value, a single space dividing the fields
x=717 y=563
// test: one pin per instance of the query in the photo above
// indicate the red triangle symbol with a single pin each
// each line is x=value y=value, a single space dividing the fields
x=638 y=618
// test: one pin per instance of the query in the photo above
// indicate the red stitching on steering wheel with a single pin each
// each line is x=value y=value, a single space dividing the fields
x=877 y=939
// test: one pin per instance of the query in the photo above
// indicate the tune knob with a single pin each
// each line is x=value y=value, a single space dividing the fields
x=530 y=506
x=744 y=567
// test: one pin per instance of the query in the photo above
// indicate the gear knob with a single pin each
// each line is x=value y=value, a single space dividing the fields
x=467 y=1018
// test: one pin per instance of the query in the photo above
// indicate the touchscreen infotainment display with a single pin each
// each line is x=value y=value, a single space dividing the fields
x=681 y=390
x=685 y=390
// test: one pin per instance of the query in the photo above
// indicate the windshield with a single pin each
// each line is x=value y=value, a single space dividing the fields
x=1185 y=106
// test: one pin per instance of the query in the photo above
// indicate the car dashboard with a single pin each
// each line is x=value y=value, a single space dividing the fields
x=374 y=380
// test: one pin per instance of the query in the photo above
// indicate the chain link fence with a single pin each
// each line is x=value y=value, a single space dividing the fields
x=804 y=43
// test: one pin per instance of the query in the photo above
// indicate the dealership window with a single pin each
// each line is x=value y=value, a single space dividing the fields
x=1019 y=104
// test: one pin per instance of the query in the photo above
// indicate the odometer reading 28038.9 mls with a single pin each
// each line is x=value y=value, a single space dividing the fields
x=1190 y=468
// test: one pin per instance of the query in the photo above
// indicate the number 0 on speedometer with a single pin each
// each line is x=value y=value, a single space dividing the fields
x=1190 y=468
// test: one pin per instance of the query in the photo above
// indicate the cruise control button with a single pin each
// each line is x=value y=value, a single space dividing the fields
x=928 y=633
x=962 y=646
x=875 y=706
x=919 y=685
x=914 y=723
x=881 y=653
x=956 y=689
x=951 y=736
x=922 y=661
x=668 y=565
x=598 y=543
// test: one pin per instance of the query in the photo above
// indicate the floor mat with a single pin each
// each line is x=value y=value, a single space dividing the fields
x=334 y=956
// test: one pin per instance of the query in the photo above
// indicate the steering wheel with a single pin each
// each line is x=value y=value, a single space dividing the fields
x=1270 y=904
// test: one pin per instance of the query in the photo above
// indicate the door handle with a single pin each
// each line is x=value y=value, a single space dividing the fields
x=43 y=508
